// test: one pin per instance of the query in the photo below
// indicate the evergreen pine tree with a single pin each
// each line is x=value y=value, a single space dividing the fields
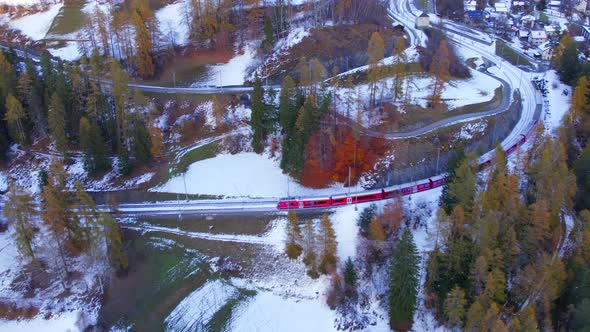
x=257 y=120
x=287 y=107
x=94 y=149
x=56 y=122
x=114 y=241
x=15 y=117
x=403 y=283
x=365 y=218
x=20 y=213
x=455 y=307
x=327 y=241
x=268 y=32
x=141 y=142
x=309 y=249
x=293 y=247
x=350 y=278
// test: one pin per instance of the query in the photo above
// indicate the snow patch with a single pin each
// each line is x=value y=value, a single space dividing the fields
x=172 y=23
x=470 y=129
x=234 y=71
x=36 y=25
x=557 y=103
x=69 y=52
x=57 y=323
x=196 y=310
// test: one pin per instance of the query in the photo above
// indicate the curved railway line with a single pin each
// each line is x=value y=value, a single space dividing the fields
x=405 y=14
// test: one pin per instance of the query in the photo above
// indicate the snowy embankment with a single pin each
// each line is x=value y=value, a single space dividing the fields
x=457 y=93
x=35 y=26
x=172 y=20
x=24 y=3
x=233 y=72
x=284 y=298
x=479 y=88
x=557 y=102
x=10 y=271
x=196 y=310
x=244 y=174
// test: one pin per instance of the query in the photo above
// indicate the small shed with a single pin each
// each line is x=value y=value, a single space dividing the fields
x=423 y=20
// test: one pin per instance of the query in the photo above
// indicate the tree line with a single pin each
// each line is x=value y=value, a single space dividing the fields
x=502 y=260
x=68 y=104
x=68 y=221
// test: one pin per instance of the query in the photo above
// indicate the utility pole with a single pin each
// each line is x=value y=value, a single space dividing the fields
x=348 y=180
x=185 y=190
x=437 y=158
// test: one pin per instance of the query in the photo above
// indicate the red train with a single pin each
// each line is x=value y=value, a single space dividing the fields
x=375 y=195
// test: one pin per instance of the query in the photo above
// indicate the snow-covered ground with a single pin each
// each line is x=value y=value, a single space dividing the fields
x=456 y=93
x=271 y=312
x=24 y=3
x=281 y=302
x=172 y=22
x=65 y=322
x=477 y=89
x=69 y=52
x=195 y=311
x=243 y=174
x=68 y=320
x=233 y=72
x=557 y=103
x=36 y=25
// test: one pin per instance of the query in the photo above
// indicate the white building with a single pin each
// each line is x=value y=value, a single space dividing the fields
x=554 y=4
x=501 y=8
x=470 y=5
x=546 y=51
x=537 y=37
x=423 y=20
x=550 y=30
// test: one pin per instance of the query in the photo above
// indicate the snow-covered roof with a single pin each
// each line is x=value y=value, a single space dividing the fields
x=523 y=33
x=549 y=28
x=538 y=34
x=517 y=3
x=501 y=7
x=579 y=39
x=545 y=46
x=554 y=3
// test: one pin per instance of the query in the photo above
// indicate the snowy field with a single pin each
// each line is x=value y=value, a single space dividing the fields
x=233 y=72
x=35 y=26
x=10 y=265
x=172 y=22
x=195 y=311
x=244 y=174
